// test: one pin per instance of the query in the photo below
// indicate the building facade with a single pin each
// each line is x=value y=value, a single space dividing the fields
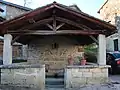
x=12 y=10
x=110 y=12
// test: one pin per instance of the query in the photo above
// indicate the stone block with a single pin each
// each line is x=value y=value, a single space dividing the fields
x=77 y=75
x=84 y=70
x=97 y=80
x=77 y=82
x=97 y=70
x=87 y=74
x=94 y=75
x=99 y=74
x=74 y=70
x=30 y=77
x=104 y=70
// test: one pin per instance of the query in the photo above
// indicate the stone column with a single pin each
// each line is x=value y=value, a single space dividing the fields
x=102 y=50
x=24 y=51
x=117 y=24
x=7 y=49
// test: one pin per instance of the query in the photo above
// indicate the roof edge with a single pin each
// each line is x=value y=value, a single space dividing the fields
x=102 y=6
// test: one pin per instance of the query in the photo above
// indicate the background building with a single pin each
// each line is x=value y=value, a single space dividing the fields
x=110 y=12
x=12 y=10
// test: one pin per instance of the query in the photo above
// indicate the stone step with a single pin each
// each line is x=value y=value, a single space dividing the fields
x=54 y=81
x=54 y=86
x=53 y=76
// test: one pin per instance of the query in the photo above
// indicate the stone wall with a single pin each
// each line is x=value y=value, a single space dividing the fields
x=110 y=42
x=110 y=39
x=42 y=50
x=110 y=10
x=12 y=12
x=32 y=76
x=77 y=76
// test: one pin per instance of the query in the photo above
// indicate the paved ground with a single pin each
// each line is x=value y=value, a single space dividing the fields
x=115 y=78
x=114 y=85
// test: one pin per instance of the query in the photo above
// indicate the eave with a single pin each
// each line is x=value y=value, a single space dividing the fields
x=55 y=19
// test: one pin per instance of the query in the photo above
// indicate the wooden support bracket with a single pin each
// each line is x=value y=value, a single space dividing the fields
x=94 y=39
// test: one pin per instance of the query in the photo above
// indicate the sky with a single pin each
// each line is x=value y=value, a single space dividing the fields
x=88 y=6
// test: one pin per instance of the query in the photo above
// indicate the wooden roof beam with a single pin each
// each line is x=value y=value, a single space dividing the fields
x=72 y=23
x=15 y=39
x=54 y=23
x=48 y=25
x=86 y=16
x=59 y=26
x=94 y=39
x=47 y=32
x=36 y=24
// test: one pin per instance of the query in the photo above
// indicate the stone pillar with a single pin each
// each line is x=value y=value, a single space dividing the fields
x=7 y=49
x=102 y=50
x=117 y=24
x=24 y=51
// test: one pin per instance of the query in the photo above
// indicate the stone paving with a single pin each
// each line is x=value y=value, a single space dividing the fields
x=109 y=86
x=93 y=87
x=114 y=85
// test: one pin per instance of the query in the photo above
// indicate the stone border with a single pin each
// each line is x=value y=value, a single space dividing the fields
x=77 y=76
x=89 y=66
x=18 y=66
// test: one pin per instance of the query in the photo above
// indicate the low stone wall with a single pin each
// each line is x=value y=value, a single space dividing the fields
x=77 y=76
x=32 y=76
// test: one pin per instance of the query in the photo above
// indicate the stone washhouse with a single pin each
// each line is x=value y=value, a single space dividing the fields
x=52 y=33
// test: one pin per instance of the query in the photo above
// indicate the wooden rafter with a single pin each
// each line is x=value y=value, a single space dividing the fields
x=86 y=16
x=35 y=24
x=48 y=25
x=59 y=26
x=94 y=39
x=31 y=21
x=54 y=22
x=72 y=23
x=14 y=40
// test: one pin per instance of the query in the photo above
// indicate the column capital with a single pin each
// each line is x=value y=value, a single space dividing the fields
x=7 y=36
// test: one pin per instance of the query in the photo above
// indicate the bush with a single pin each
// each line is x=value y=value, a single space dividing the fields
x=91 y=57
x=91 y=53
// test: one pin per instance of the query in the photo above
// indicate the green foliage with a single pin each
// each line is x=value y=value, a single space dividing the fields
x=91 y=53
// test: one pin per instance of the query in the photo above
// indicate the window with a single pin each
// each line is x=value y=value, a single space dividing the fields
x=116 y=45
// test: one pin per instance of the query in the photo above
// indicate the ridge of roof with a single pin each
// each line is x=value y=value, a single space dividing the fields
x=15 y=5
x=102 y=6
